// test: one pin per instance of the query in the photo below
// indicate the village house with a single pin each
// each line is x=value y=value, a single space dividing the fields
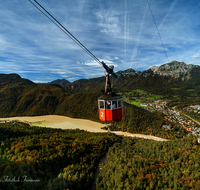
x=167 y=127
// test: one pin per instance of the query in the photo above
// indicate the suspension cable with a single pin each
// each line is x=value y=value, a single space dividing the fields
x=157 y=30
x=59 y=25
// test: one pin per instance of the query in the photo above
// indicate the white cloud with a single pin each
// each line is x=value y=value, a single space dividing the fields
x=196 y=55
x=108 y=21
x=39 y=81
x=92 y=63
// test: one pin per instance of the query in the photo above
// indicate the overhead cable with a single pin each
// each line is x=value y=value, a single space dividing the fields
x=59 y=25
x=157 y=30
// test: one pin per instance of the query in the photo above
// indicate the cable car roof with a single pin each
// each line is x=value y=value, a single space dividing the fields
x=109 y=97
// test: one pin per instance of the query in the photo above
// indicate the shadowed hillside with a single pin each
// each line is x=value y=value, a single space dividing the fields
x=9 y=79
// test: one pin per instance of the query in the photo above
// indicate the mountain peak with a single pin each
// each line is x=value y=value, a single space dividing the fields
x=60 y=82
x=13 y=78
x=129 y=72
x=174 y=69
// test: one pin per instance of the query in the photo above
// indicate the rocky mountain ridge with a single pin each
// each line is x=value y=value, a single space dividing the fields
x=129 y=73
x=175 y=69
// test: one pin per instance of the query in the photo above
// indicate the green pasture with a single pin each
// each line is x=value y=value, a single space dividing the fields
x=138 y=104
x=139 y=90
x=130 y=93
x=156 y=97
x=119 y=93
x=136 y=99
x=145 y=95
x=43 y=123
x=125 y=98
x=176 y=96
x=190 y=90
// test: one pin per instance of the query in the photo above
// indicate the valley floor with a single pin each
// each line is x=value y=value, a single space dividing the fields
x=63 y=122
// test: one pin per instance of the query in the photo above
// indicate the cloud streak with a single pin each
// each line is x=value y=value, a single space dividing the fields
x=120 y=33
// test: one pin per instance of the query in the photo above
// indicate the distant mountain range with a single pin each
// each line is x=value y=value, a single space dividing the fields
x=58 y=81
x=157 y=79
x=176 y=70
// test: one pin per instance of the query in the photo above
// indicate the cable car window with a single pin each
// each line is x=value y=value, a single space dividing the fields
x=119 y=103
x=114 y=104
x=108 y=105
x=101 y=104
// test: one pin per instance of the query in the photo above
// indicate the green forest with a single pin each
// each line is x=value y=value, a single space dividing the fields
x=145 y=164
x=45 y=158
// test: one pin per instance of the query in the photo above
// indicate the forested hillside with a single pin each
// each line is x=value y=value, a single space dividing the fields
x=138 y=120
x=49 y=158
x=145 y=164
x=7 y=79
x=45 y=158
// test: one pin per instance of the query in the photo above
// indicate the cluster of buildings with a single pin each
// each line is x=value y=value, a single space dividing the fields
x=174 y=116
x=192 y=108
x=152 y=105
x=7 y=121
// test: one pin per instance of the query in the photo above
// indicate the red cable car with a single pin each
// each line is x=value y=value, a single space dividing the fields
x=110 y=108
x=110 y=104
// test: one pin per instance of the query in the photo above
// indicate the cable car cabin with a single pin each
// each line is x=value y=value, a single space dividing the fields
x=110 y=108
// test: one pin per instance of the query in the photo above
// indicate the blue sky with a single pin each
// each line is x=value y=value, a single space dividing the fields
x=119 y=32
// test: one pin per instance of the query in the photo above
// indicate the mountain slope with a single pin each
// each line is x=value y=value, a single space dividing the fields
x=6 y=79
x=60 y=82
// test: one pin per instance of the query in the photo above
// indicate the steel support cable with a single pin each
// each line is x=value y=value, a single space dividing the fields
x=157 y=30
x=59 y=25
x=52 y=20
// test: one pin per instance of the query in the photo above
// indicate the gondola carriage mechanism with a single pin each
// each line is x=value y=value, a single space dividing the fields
x=110 y=104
